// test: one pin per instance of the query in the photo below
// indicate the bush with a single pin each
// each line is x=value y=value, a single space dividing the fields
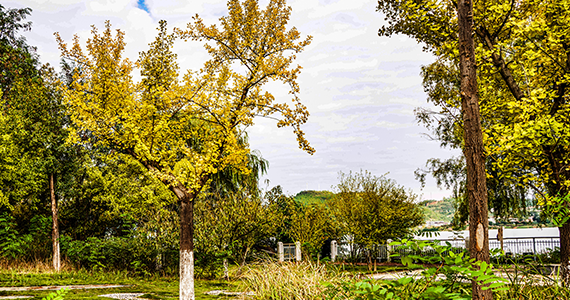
x=35 y=244
x=135 y=254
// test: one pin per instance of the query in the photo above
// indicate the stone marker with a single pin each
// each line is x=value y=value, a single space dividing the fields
x=334 y=250
x=281 y=252
x=298 y=251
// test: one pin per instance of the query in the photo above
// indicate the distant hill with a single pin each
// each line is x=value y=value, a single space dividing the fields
x=308 y=197
x=438 y=210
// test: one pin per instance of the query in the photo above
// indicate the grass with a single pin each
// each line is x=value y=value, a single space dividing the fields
x=154 y=287
x=40 y=273
x=268 y=280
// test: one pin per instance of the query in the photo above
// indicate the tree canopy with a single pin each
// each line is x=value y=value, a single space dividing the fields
x=372 y=209
x=522 y=54
x=186 y=129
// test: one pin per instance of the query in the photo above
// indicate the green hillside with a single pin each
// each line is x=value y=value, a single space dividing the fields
x=308 y=197
x=438 y=210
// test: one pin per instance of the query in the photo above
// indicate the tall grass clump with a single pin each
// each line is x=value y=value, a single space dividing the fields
x=531 y=282
x=299 y=281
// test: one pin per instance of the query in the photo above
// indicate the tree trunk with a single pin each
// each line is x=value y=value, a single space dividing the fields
x=500 y=238
x=473 y=149
x=186 y=248
x=369 y=260
x=55 y=225
x=564 y=252
x=186 y=200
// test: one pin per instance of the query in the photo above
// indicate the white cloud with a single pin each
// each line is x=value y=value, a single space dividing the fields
x=107 y=6
x=360 y=89
x=393 y=125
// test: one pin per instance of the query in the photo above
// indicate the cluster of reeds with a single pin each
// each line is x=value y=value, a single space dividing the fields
x=300 y=281
x=37 y=266
x=533 y=283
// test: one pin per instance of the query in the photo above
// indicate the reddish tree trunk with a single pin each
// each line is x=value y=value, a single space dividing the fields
x=55 y=225
x=186 y=243
x=473 y=148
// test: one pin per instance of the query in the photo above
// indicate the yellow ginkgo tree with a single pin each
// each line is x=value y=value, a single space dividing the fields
x=186 y=128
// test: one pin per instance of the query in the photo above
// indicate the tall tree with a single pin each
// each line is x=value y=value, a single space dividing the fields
x=523 y=63
x=37 y=117
x=186 y=130
x=473 y=150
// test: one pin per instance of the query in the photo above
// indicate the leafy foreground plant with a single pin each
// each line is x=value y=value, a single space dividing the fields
x=450 y=278
x=57 y=295
x=445 y=280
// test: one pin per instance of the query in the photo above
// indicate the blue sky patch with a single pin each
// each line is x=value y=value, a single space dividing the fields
x=142 y=5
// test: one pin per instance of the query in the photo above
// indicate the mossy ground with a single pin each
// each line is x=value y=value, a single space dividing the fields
x=154 y=287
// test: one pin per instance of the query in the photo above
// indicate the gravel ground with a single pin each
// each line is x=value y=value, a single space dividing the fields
x=228 y=293
x=124 y=296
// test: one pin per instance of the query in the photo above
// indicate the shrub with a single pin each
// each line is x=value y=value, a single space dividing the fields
x=133 y=253
x=34 y=244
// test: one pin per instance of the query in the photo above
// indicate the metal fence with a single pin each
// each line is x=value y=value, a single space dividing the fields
x=526 y=245
x=289 y=251
x=511 y=245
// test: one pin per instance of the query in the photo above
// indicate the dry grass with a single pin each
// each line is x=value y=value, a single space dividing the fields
x=287 y=281
x=35 y=267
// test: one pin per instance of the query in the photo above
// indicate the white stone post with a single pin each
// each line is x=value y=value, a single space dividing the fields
x=280 y=252
x=389 y=250
x=298 y=251
x=334 y=251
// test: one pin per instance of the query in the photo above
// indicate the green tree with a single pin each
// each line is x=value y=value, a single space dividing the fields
x=229 y=227
x=522 y=63
x=232 y=217
x=311 y=225
x=506 y=198
x=372 y=209
x=36 y=117
x=185 y=130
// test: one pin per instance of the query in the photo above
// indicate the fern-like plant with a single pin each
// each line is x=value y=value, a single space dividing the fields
x=57 y=295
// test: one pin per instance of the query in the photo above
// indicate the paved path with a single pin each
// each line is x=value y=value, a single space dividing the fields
x=416 y=274
x=123 y=296
x=59 y=287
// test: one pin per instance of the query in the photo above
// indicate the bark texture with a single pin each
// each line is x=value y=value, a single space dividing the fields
x=473 y=149
x=564 y=253
x=186 y=244
x=55 y=225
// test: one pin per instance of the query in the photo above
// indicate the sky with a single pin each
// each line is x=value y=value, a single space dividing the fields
x=360 y=89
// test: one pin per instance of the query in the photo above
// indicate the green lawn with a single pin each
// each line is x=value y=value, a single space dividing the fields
x=153 y=287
